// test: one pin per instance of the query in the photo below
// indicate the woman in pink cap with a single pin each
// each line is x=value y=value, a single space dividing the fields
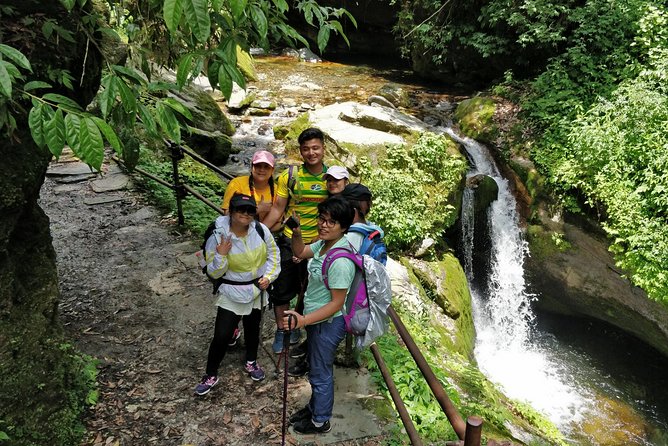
x=259 y=184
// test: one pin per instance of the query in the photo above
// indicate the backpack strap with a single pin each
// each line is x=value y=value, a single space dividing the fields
x=337 y=253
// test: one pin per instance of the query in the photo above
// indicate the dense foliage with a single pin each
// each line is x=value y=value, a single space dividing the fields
x=400 y=205
x=594 y=97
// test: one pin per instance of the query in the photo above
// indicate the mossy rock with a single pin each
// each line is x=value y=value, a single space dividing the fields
x=475 y=118
x=215 y=147
x=289 y=134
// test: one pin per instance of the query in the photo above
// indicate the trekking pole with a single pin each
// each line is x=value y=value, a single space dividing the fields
x=286 y=352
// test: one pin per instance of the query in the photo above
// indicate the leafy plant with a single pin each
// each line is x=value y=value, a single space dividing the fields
x=411 y=208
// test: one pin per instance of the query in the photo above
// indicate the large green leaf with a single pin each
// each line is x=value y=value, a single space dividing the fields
x=54 y=133
x=91 y=145
x=337 y=26
x=72 y=123
x=172 y=10
x=199 y=21
x=237 y=7
x=168 y=122
x=245 y=64
x=259 y=21
x=281 y=5
x=5 y=82
x=183 y=69
x=68 y=4
x=235 y=75
x=323 y=37
x=107 y=97
x=147 y=120
x=178 y=107
x=35 y=123
x=224 y=82
x=128 y=96
x=63 y=101
x=34 y=85
x=109 y=135
x=15 y=55
x=129 y=73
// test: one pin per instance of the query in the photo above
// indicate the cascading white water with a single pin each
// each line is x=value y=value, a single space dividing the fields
x=505 y=350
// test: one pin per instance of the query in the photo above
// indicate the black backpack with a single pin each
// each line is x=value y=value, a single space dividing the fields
x=219 y=281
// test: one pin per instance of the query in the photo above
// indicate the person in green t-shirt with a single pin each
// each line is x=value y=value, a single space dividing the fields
x=322 y=317
x=297 y=194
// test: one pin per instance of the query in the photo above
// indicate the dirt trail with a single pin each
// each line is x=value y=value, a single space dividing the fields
x=132 y=296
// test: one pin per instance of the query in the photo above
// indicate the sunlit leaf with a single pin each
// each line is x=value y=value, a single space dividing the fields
x=34 y=85
x=16 y=56
x=91 y=145
x=172 y=10
x=224 y=82
x=54 y=133
x=178 y=107
x=72 y=123
x=281 y=5
x=237 y=7
x=197 y=15
x=109 y=135
x=64 y=101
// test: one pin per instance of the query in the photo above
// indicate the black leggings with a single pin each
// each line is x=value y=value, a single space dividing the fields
x=226 y=322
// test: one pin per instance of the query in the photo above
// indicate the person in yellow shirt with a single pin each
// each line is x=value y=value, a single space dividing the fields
x=259 y=184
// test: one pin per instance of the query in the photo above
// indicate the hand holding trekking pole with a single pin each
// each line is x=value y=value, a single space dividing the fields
x=292 y=320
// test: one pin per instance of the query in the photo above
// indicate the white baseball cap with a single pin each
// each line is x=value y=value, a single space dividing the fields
x=337 y=172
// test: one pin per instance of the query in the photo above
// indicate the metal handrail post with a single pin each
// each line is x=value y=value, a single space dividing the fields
x=473 y=431
x=179 y=192
x=396 y=398
x=434 y=384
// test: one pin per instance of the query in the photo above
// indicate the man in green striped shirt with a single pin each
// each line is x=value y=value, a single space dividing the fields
x=299 y=192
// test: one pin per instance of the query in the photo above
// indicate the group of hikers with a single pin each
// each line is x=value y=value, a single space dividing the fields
x=269 y=248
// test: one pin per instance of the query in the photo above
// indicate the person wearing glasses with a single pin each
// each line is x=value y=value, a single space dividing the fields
x=247 y=262
x=322 y=316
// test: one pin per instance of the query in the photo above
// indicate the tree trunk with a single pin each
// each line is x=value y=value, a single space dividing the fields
x=43 y=386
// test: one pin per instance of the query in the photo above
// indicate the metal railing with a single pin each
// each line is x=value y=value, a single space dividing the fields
x=469 y=432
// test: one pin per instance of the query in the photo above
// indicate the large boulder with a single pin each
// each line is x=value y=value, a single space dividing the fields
x=474 y=117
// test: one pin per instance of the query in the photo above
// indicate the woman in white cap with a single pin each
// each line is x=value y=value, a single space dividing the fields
x=336 y=178
x=259 y=184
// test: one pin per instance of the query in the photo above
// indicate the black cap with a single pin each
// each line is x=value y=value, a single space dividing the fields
x=239 y=200
x=356 y=191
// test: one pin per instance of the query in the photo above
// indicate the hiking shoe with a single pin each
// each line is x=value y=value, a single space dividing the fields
x=255 y=371
x=302 y=414
x=278 y=341
x=306 y=426
x=235 y=337
x=299 y=351
x=300 y=368
x=208 y=381
x=295 y=336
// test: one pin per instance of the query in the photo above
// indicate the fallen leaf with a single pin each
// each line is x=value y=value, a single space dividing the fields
x=153 y=371
x=255 y=421
x=227 y=417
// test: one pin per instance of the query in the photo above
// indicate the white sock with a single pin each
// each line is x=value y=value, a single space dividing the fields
x=316 y=424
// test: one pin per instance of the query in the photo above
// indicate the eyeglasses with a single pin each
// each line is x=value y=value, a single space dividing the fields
x=327 y=221
x=248 y=210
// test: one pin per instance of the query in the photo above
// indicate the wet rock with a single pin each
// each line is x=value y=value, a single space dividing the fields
x=290 y=52
x=76 y=168
x=396 y=94
x=306 y=55
x=268 y=105
x=110 y=183
x=240 y=98
x=379 y=118
x=380 y=101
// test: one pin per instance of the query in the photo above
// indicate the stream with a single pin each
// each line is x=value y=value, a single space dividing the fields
x=599 y=385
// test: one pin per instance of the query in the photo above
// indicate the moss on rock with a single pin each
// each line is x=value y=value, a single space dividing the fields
x=475 y=118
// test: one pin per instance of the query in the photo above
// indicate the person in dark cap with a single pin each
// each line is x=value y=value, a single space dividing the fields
x=359 y=196
x=248 y=260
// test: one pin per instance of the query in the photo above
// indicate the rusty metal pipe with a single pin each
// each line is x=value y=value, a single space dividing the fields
x=143 y=172
x=434 y=384
x=396 y=398
x=473 y=431
x=203 y=199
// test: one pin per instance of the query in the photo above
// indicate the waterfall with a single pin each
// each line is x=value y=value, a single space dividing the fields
x=506 y=349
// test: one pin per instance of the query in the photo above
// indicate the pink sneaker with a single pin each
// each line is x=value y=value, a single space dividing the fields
x=205 y=386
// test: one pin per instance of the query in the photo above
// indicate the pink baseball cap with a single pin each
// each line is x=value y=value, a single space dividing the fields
x=263 y=156
x=336 y=172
